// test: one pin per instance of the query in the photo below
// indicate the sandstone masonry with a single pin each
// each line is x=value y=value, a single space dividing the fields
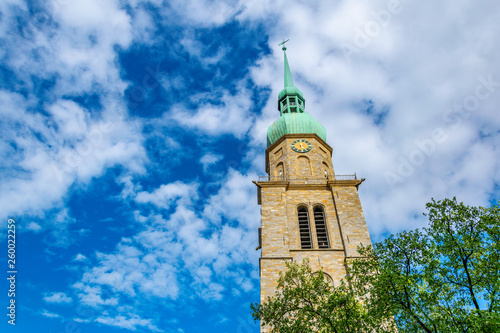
x=306 y=180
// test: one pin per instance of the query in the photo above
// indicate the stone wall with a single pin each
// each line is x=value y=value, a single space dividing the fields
x=280 y=199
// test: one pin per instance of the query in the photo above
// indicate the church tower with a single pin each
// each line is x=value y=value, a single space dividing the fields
x=307 y=211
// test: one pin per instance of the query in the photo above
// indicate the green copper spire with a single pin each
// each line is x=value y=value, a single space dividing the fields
x=293 y=118
x=288 y=74
x=290 y=89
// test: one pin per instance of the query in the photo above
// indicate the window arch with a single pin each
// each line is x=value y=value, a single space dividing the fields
x=304 y=230
x=304 y=166
x=326 y=170
x=321 y=229
x=280 y=171
x=326 y=277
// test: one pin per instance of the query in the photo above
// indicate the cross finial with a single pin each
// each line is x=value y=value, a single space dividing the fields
x=283 y=43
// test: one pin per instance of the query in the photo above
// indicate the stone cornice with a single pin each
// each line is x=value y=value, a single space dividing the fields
x=335 y=183
x=272 y=184
x=302 y=186
x=291 y=185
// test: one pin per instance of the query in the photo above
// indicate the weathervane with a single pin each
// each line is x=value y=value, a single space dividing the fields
x=283 y=43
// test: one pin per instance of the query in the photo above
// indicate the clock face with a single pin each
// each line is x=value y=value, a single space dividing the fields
x=301 y=146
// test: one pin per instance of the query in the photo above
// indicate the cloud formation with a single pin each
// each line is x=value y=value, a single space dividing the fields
x=57 y=298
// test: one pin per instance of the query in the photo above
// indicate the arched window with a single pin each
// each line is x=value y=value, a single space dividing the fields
x=280 y=171
x=326 y=169
x=321 y=230
x=304 y=230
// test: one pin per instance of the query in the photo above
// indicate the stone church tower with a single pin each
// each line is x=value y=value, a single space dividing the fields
x=307 y=210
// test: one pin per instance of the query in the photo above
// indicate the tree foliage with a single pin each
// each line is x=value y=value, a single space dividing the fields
x=307 y=302
x=443 y=278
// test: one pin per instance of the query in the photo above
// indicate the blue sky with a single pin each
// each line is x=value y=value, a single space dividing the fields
x=131 y=132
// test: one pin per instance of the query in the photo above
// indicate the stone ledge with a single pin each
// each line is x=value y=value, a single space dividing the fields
x=280 y=183
x=344 y=183
x=316 y=250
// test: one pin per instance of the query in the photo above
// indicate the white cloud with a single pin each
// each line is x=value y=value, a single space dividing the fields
x=48 y=314
x=234 y=201
x=70 y=119
x=80 y=257
x=80 y=320
x=33 y=226
x=74 y=150
x=197 y=50
x=209 y=159
x=156 y=261
x=65 y=143
x=129 y=270
x=203 y=13
x=93 y=295
x=131 y=322
x=58 y=297
x=167 y=194
x=228 y=114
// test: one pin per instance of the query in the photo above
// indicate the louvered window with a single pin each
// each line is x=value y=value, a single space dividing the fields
x=305 y=233
x=321 y=231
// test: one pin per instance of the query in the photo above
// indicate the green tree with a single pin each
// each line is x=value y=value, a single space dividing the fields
x=443 y=278
x=307 y=302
